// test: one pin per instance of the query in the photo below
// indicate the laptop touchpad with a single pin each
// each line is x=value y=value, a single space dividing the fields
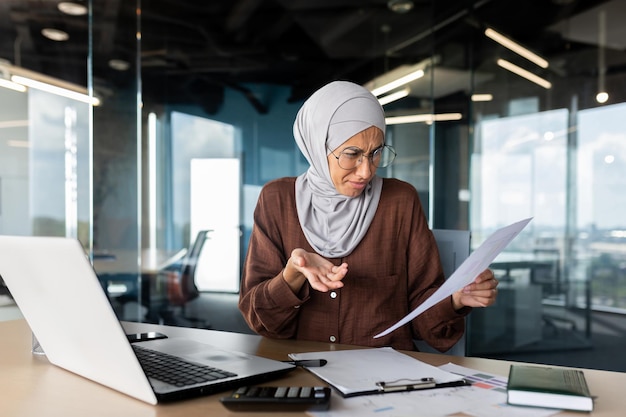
x=194 y=350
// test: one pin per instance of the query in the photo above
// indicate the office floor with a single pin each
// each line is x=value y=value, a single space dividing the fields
x=605 y=350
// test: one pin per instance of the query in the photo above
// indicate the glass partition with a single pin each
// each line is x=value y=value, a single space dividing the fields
x=520 y=172
x=485 y=135
x=206 y=189
x=122 y=264
x=70 y=160
x=14 y=168
x=599 y=245
x=45 y=164
x=45 y=161
x=547 y=145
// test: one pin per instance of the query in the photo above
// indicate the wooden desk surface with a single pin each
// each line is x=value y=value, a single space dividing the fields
x=30 y=386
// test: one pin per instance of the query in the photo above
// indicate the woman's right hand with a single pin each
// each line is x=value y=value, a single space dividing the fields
x=321 y=273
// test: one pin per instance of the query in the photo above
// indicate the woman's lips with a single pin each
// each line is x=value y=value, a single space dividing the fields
x=358 y=185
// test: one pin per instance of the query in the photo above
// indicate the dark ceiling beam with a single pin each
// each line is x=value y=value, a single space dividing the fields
x=211 y=44
x=436 y=27
x=349 y=22
x=240 y=14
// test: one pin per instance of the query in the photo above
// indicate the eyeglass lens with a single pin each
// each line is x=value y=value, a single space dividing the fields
x=380 y=158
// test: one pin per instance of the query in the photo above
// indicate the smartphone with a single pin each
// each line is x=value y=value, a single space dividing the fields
x=144 y=337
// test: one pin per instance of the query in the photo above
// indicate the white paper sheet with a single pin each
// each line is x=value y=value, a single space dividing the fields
x=357 y=371
x=478 y=261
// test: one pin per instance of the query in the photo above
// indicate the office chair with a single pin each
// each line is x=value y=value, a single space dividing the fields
x=547 y=274
x=454 y=248
x=181 y=287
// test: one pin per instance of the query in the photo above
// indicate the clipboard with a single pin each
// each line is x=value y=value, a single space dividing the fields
x=421 y=384
x=372 y=371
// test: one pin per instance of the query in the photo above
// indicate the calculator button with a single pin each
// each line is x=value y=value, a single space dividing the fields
x=266 y=392
x=280 y=392
x=306 y=392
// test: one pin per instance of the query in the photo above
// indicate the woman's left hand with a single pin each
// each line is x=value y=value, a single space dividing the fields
x=481 y=292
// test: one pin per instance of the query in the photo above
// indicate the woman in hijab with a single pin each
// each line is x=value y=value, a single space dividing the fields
x=338 y=254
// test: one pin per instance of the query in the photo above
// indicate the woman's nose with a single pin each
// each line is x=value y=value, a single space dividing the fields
x=365 y=168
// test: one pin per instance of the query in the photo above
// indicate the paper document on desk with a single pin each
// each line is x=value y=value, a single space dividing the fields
x=478 y=261
x=485 y=398
x=357 y=371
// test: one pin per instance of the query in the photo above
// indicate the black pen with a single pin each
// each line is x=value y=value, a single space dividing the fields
x=308 y=362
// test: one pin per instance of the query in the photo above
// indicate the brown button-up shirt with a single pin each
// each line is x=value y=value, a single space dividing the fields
x=393 y=270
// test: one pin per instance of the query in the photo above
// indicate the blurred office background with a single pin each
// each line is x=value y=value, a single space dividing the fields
x=137 y=126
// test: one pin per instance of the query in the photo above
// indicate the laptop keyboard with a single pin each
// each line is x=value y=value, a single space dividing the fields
x=176 y=371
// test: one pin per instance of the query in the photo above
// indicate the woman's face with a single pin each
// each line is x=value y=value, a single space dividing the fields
x=352 y=182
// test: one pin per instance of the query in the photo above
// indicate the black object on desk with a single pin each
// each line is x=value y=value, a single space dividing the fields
x=406 y=385
x=414 y=385
x=144 y=337
x=292 y=398
x=308 y=362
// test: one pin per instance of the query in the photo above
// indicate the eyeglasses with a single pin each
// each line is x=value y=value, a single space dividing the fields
x=352 y=157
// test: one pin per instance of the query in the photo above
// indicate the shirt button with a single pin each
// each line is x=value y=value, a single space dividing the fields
x=333 y=294
x=333 y=338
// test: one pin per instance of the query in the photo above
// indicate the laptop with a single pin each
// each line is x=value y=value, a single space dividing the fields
x=61 y=298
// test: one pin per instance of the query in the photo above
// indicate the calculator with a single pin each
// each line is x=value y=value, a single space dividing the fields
x=287 y=398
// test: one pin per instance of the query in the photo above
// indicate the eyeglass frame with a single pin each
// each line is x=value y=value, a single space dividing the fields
x=369 y=156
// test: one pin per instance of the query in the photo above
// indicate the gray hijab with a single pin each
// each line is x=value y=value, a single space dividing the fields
x=333 y=223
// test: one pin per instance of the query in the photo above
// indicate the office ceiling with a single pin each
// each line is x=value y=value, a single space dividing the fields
x=195 y=49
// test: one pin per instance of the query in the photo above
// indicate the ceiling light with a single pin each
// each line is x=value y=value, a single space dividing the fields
x=395 y=78
x=399 y=76
x=423 y=118
x=55 y=34
x=482 y=97
x=518 y=49
x=411 y=76
x=400 y=6
x=11 y=85
x=34 y=79
x=602 y=97
x=119 y=64
x=525 y=74
x=73 y=9
x=394 y=96
x=64 y=92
